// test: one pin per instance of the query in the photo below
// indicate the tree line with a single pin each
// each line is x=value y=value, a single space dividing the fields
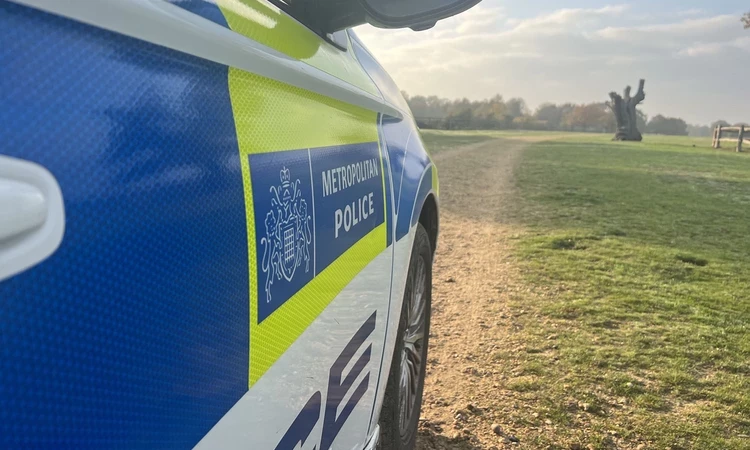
x=497 y=113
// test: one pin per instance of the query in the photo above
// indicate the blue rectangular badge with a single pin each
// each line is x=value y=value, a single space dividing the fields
x=310 y=206
x=282 y=204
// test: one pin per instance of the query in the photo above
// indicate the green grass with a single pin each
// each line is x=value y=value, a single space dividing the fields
x=640 y=254
x=437 y=141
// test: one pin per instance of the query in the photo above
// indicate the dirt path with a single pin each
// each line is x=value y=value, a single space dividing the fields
x=474 y=275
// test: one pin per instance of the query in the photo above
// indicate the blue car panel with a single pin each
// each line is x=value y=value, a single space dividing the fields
x=134 y=334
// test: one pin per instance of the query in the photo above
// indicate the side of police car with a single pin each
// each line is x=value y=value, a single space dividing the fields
x=216 y=231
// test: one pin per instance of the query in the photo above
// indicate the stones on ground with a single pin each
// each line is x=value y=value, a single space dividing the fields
x=473 y=409
x=427 y=424
x=511 y=438
x=450 y=280
x=472 y=371
x=497 y=429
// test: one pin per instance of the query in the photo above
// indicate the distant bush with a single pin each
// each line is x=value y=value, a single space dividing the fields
x=667 y=125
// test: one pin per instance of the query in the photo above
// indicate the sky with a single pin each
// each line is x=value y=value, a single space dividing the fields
x=694 y=55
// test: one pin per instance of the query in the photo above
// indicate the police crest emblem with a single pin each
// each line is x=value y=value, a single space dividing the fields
x=286 y=244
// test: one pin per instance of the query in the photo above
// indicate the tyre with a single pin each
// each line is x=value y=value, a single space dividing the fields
x=399 y=416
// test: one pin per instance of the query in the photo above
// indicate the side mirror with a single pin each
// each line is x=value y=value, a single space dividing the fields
x=328 y=16
x=415 y=14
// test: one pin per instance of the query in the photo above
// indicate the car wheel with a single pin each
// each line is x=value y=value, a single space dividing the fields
x=399 y=416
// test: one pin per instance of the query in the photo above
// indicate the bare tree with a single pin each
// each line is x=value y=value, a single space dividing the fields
x=625 y=113
x=746 y=19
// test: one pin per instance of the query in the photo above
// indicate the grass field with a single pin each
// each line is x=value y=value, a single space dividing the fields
x=638 y=259
x=440 y=140
x=645 y=250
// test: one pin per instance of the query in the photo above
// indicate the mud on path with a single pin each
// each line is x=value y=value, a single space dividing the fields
x=473 y=277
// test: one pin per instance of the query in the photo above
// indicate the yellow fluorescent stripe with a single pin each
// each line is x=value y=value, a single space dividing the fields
x=265 y=23
x=271 y=116
x=271 y=338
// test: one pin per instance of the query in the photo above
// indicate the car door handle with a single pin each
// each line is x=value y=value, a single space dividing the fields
x=32 y=215
x=25 y=207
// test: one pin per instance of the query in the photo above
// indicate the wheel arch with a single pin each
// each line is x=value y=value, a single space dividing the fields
x=429 y=217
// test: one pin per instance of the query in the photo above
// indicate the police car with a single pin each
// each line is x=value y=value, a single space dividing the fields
x=217 y=226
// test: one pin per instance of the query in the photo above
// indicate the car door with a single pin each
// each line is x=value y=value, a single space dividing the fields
x=224 y=276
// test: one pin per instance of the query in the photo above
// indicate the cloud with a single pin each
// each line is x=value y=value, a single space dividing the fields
x=480 y=18
x=563 y=19
x=708 y=27
x=715 y=48
x=574 y=54
x=692 y=12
